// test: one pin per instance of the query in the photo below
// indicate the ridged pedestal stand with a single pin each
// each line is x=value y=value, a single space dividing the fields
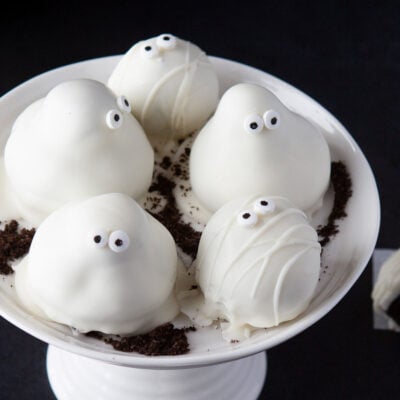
x=73 y=377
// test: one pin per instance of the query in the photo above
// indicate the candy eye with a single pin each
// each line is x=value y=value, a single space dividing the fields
x=247 y=218
x=272 y=120
x=253 y=124
x=118 y=241
x=124 y=104
x=99 y=238
x=166 y=41
x=264 y=206
x=150 y=51
x=114 y=119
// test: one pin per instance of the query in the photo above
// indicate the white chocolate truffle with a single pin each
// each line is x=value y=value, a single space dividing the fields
x=255 y=144
x=258 y=265
x=78 y=141
x=171 y=84
x=103 y=264
x=386 y=293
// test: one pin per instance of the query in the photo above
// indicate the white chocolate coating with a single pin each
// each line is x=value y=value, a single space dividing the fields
x=173 y=90
x=258 y=271
x=387 y=286
x=95 y=286
x=229 y=160
x=67 y=146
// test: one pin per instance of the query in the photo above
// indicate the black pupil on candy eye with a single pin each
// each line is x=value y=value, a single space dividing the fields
x=264 y=202
x=166 y=38
x=147 y=48
x=246 y=215
x=119 y=242
x=126 y=102
x=274 y=120
x=97 y=239
x=116 y=117
x=253 y=125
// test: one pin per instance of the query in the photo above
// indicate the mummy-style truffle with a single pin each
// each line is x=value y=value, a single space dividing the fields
x=78 y=141
x=103 y=264
x=386 y=293
x=258 y=265
x=255 y=144
x=171 y=84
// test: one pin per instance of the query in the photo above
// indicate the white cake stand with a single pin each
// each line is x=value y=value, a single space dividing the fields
x=84 y=368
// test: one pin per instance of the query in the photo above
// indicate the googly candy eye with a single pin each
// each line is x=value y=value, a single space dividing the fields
x=99 y=238
x=124 y=104
x=264 y=206
x=166 y=41
x=114 y=119
x=253 y=124
x=149 y=51
x=119 y=241
x=272 y=119
x=247 y=218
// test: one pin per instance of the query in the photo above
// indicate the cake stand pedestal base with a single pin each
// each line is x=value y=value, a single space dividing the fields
x=73 y=377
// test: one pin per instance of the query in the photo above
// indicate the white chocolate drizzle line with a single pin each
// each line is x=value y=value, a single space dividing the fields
x=224 y=231
x=182 y=96
x=282 y=275
x=189 y=69
x=278 y=245
x=259 y=232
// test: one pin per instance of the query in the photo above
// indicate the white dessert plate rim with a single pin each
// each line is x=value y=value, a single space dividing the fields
x=94 y=68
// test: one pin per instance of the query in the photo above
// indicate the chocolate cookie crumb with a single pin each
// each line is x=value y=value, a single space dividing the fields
x=342 y=186
x=94 y=335
x=184 y=235
x=13 y=245
x=166 y=162
x=164 y=340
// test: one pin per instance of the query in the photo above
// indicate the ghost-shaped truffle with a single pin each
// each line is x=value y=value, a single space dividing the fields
x=171 y=84
x=257 y=265
x=103 y=264
x=255 y=144
x=78 y=141
x=386 y=293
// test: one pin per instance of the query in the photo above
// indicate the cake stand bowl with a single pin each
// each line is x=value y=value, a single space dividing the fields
x=80 y=367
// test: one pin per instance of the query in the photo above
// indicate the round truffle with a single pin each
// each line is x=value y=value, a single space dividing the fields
x=74 y=143
x=171 y=84
x=258 y=274
x=386 y=293
x=255 y=144
x=103 y=264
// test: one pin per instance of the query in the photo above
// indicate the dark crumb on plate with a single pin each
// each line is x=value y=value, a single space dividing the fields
x=14 y=243
x=342 y=186
x=185 y=237
x=235 y=341
x=94 y=335
x=166 y=162
x=164 y=340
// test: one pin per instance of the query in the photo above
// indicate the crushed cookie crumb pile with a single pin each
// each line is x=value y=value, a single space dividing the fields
x=14 y=243
x=342 y=186
x=165 y=340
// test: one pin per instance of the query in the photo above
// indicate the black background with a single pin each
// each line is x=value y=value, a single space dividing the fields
x=346 y=55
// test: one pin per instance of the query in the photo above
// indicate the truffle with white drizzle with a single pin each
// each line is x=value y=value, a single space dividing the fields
x=80 y=140
x=255 y=144
x=171 y=84
x=386 y=293
x=258 y=265
x=103 y=264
